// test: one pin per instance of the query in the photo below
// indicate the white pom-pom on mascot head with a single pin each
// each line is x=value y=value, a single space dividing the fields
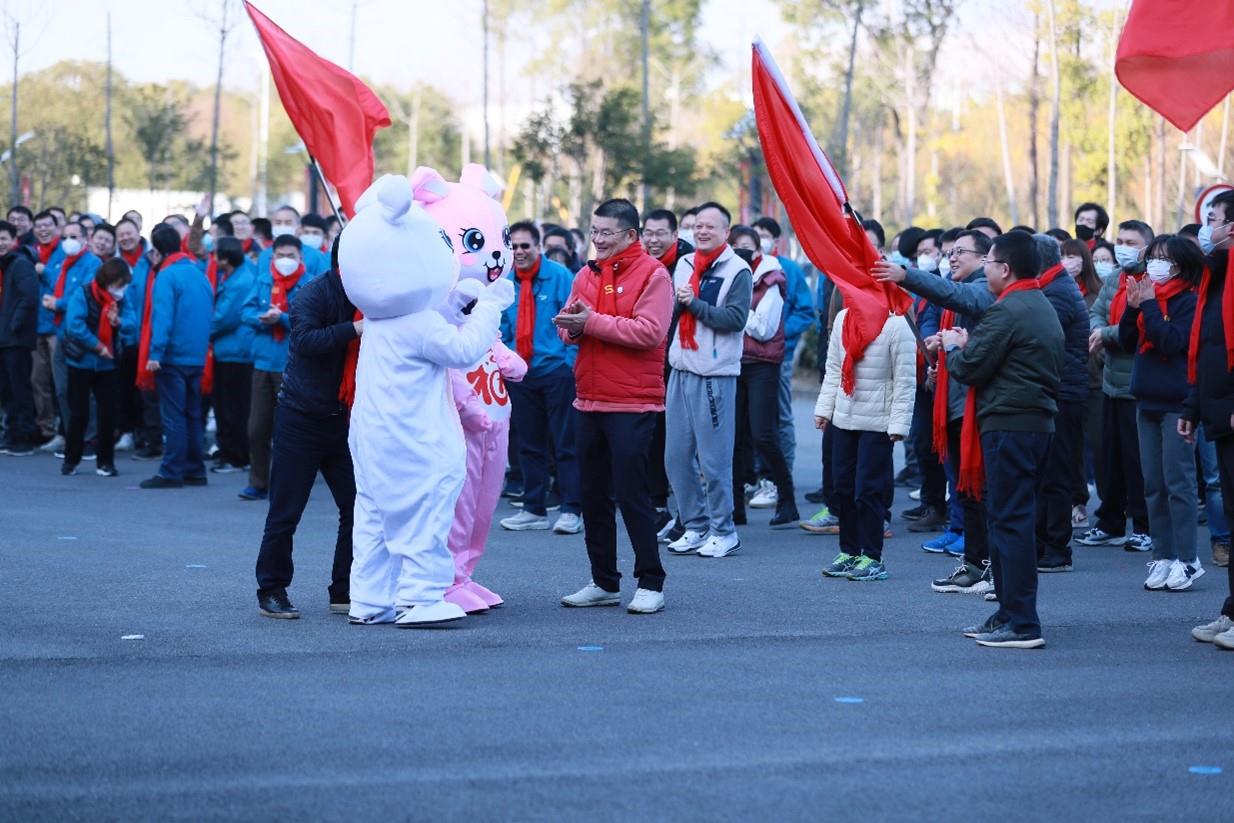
x=399 y=270
x=471 y=216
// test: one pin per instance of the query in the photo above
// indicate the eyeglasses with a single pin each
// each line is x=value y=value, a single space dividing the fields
x=522 y=246
x=652 y=235
x=1162 y=259
x=957 y=252
x=607 y=234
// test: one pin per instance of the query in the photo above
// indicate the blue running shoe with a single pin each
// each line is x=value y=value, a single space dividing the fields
x=943 y=543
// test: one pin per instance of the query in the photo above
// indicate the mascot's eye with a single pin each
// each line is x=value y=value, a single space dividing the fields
x=473 y=240
x=445 y=237
x=505 y=237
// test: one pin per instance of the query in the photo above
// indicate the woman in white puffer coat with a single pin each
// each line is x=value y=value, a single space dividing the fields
x=877 y=414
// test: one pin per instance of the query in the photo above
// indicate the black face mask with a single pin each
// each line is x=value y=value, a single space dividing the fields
x=1084 y=233
x=746 y=255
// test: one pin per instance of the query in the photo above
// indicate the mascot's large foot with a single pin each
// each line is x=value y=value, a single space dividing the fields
x=490 y=597
x=430 y=616
x=464 y=598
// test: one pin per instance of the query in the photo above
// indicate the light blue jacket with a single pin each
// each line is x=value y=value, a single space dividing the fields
x=798 y=305
x=46 y=316
x=80 y=272
x=315 y=263
x=77 y=328
x=269 y=354
x=231 y=336
x=180 y=316
x=551 y=289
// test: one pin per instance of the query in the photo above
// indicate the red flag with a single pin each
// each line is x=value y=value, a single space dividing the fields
x=1176 y=57
x=817 y=204
x=334 y=113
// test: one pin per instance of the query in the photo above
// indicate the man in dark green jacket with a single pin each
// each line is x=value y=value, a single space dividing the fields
x=1014 y=360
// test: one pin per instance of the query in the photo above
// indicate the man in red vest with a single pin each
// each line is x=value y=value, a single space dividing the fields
x=618 y=315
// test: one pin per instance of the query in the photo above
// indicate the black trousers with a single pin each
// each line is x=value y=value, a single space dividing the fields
x=302 y=447
x=1225 y=466
x=542 y=408
x=233 y=393
x=758 y=429
x=128 y=398
x=102 y=384
x=16 y=364
x=933 y=477
x=1054 y=508
x=1123 y=495
x=1014 y=464
x=151 y=421
x=657 y=477
x=863 y=477
x=615 y=448
x=976 y=529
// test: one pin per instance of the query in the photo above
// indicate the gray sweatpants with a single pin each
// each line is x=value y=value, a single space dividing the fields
x=700 y=424
x=1168 y=463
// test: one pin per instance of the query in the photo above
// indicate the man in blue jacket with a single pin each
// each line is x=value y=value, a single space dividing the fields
x=60 y=282
x=286 y=221
x=267 y=312
x=182 y=303
x=542 y=404
x=233 y=354
x=798 y=318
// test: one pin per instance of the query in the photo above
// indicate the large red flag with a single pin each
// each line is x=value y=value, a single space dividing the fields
x=817 y=204
x=334 y=113
x=1177 y=56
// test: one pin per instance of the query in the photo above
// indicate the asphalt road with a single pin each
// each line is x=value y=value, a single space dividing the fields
x=139 y=682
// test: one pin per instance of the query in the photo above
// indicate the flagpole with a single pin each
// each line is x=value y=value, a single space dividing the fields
x=321 y=178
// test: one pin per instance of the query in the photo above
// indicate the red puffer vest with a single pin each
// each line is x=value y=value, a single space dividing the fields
x=609 y=373
x=766 y=351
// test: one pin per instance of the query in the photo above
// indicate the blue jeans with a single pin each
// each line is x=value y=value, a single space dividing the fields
x=179 y=389
x=1218 y=527
x=542 y=408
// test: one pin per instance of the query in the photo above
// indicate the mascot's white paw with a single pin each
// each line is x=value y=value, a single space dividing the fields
x=500 y=293
x=434 y=614
x=459 y=300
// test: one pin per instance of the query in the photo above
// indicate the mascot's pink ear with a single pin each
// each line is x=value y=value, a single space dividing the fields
x=478 y=177
x=428 y=186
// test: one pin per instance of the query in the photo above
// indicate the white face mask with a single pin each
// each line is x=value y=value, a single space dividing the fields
x=767 y=244
x=71 y=246
x=1104 y=269
x=1126 y=256
x=1073 y=265
x=944 y=266
x=117 y=292
x=1159 y=270
x=927 y=263
x=313 y=241
x=687 y=235
x=1205 y=237
x=279 y=229
x=286 y=266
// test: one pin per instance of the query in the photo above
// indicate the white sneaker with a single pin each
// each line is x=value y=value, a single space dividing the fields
x=54 y=445
x=125 y=443
x=646 y=602
x=1225 y=640
x=668 y=528
x=567 y=524
x=1182 y=575
x=1138 y=543
x=525 y=522
x=688 y=543
x=1209 y=631
x=1158 y=573
x=721 y=546
x=434 y=614
x=591 y=595
x=766 y=497
x=915 y=494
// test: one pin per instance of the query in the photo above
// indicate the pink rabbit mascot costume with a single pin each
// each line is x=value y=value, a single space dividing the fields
x=473 y=219
x=398 y=268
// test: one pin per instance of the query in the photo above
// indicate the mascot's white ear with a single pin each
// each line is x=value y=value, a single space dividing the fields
x=428 y=186
x=395 y=197
x=481 y=178
x=371 y=194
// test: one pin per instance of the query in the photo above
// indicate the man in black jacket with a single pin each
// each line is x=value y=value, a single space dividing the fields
x=310 y=436
x=1014 y=360
x=19 y=306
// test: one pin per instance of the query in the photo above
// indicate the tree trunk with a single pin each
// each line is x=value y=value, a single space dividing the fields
x=263 y=154
x=14 y=171
x=218 y=102
x=644 y=25
x=1034 y=104
x=1004 y=147
x=1055 y=105
x=109 y=148
x=1159 y=186
x=910 y=154
x=1111 y=171
x=840 y=144
x=1181 y=213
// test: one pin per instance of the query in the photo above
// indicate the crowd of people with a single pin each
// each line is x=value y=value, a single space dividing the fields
x=1034 y=372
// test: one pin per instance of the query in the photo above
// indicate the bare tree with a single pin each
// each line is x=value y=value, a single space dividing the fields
x=1051 y=206
x=222 y=15
x=840 y=144
x=1034 y=104
x=109 y=148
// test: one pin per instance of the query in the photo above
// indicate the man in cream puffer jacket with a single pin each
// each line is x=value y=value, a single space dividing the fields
x=877 y=414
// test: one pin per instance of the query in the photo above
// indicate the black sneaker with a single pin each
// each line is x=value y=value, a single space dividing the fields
x=1005 y=637
x=275 y=604
x=512 y=489
x=223 y=467
x=339 y=605
x=907 y=480
x=916 y=513
x=678 y=531
x=663 y=518
x=17 y=449
x=68 y=469
x=816 y=497
x=1050 y=565
x=148 y=453
x=991 y=624
x=934 y=520
x=197 y=481
x=965 y=579
x=106 y=471
x=160 y=482
x=786 y=517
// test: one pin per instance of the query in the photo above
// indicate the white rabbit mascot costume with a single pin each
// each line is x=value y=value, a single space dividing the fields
x=398 y=268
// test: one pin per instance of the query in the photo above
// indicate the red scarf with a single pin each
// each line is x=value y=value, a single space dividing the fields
x=1227 y=325
x=606 y=297
x=1118 y=303
x=941 y=386
x=46 y=250
x=145 y=379
x=65 y=264
x=669 y=259
x=972 y=461
x=132 y=257
x=688 y=325
x=1050 y=275
x=106 y=301
x=1172 y=288
x=280 y=289
x=1083 y=288
x=525 y=328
